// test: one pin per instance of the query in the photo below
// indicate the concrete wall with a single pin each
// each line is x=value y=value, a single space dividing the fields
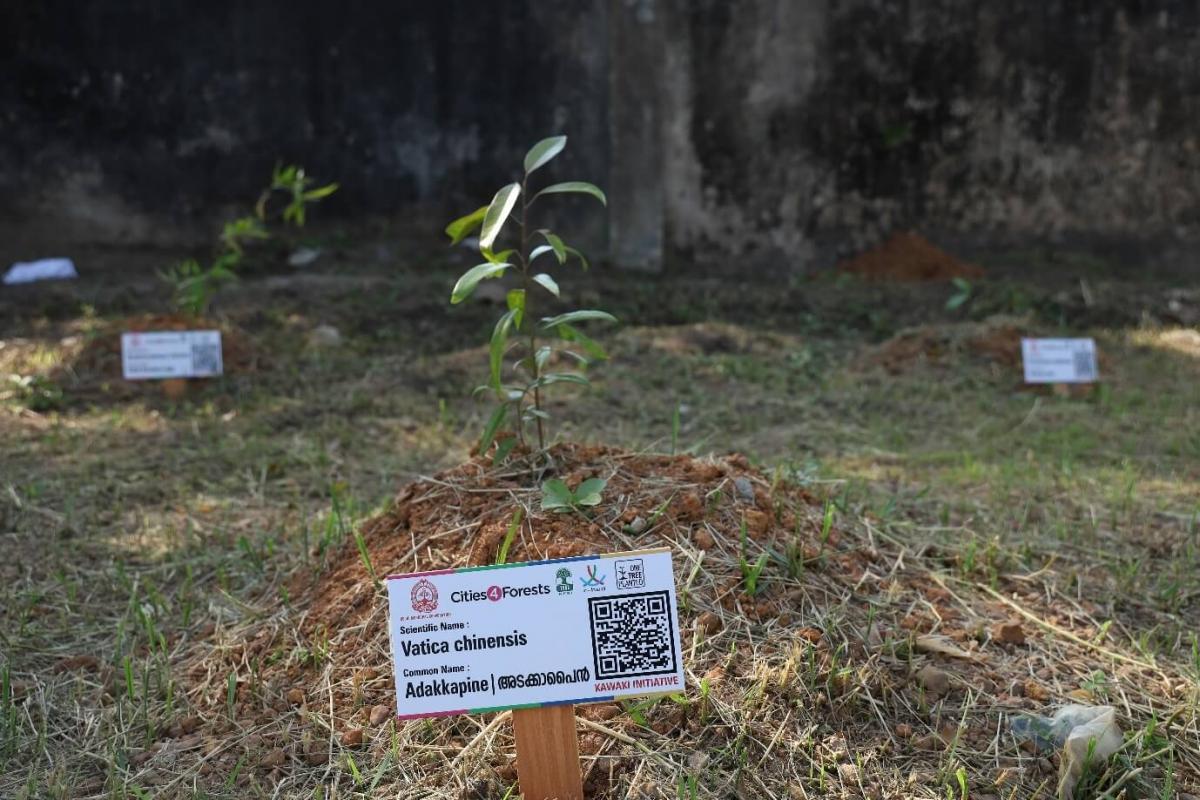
x=776 y=132
x=804 y=129
x=134 y=119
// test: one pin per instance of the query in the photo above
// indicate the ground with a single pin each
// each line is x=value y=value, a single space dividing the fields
x=165 y=555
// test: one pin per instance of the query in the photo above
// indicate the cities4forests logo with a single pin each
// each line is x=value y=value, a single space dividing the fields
x=424 y=597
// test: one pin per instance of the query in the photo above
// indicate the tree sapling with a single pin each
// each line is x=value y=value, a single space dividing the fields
x=519 y=396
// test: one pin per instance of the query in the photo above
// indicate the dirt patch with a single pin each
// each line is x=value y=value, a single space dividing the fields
x=92 y=370
x=996 y=340
x=703 y=339
x=909 y=257
x=878 y=656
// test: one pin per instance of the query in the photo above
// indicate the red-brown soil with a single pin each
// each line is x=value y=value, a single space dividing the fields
x=94 y=373
x=908 y=257
x=842 y=613
x=995 y=340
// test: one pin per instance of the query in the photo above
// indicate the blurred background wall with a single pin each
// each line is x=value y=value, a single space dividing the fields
x=728 y=132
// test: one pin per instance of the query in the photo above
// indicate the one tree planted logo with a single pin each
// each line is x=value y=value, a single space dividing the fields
x=424 y=597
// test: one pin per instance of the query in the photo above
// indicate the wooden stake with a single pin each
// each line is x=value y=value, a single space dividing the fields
x=547 y=753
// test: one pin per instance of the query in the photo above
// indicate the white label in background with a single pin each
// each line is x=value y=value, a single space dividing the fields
x=1059 y=360
x=173 y=354
x=572 y=630
x=44 y=269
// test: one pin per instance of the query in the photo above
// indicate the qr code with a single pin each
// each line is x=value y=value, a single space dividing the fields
x=206 y=358
x=632 y=635
x=1085 y=365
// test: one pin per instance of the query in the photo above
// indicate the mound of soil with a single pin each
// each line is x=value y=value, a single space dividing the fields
x=704 y=339
x=852 y=642
x=95 y=370
x=909 y=257
x=996 y=340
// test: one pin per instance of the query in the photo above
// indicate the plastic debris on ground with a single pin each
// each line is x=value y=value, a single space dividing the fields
x=1088 y=735
x=44 y=269
x=304 y=256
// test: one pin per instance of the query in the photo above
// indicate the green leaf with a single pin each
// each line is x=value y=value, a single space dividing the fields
x=499 y=342
x=461 y=228
x=569 y=333
x=503 y=449
x=516 y=303
x=556 y=496
x=285 y=176
x=497 y=212
x=540 y=154
x=471 y=278
x=496 y=258
x=513 y=526
x=294 y=213
x=543 y=356
x=545 y=281
x=560 y=377
x=324 y=191
x=577 y=316
x=541 y=249
x=560 y=249
x=580 y=187
x=588 y=493
x=582 y=259
x=580 y=359
x=493 y=425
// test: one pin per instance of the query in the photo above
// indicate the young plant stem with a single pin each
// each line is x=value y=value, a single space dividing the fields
x=528 y=318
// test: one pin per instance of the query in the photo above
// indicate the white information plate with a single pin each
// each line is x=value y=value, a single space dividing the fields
x=171 y=354
x=573 y=630
x=1059 y=360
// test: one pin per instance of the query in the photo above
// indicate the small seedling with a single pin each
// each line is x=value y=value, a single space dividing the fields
x=514 y=525
x=8 y=710
x=637 y=710
x=960 y=775
x=521 y=401
x=237 y=770
x=353 y=767
x=237 y=233
x=675 y=429
x=292 y=182
x=705 y=689
x=193 y=285
x=826 y=525
x=361 y=544
x=961 y=294
x=557 y=497
x=127 y=669
x=750 y=571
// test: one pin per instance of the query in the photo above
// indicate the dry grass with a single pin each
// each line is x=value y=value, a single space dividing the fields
x=157 y=550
